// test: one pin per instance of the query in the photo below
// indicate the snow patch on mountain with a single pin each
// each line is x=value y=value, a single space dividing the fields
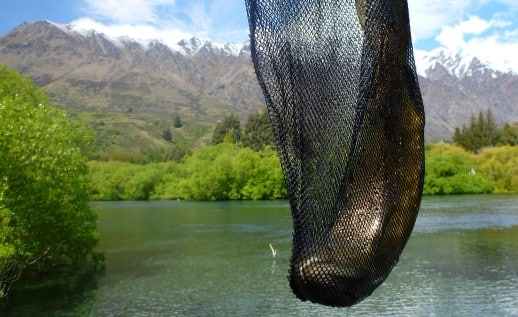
x=64 y=28
x=426 y=61
x=187 y=47
x=454 y=64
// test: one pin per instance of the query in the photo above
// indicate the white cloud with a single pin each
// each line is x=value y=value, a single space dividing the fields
x=488 y=40
x=219 y=20
x=495 y=52
x=124 y=11
x=454 y=24
x=427 y=17
x=143 y=32
x=453 y=37
x=459 y=26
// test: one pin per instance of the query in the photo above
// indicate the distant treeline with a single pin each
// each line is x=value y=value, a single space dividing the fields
x=231 y=171
x=483 y=131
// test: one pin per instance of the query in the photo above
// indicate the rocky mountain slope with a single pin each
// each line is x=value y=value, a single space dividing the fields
x=204 y=81
x=454 y=88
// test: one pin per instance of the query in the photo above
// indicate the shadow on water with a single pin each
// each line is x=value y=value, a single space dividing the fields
x=74 y=294
x=70 y=293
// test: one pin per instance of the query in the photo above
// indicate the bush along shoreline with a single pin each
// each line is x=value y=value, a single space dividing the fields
x=47 y=228
x=228 y=171
x=225 y=171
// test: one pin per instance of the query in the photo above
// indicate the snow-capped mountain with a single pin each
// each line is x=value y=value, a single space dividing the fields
x=187 y=47
x=206 y=80
x=427 y=62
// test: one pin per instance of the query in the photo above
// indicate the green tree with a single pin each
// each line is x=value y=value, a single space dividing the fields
x=258 y=131
x=177 y=122
x=450 y=169
x=452 y=174
x=230 y=124
x=461 y=138
x=210 y=174
x=486 y=129
x=46 y=225
x=109 y=179
x=481 y=132
x=500 y=165
x=175 y=152
x=167 y=135
x=509 y=135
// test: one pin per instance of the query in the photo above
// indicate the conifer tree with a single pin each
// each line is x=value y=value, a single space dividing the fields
x=482 y=132
x=258 y=131
x=230 y=123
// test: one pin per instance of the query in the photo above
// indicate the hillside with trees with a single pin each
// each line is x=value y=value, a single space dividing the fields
x=242 y=165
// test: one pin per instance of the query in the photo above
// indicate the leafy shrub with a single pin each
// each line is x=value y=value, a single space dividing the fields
x=450 y=170
x=46 y=224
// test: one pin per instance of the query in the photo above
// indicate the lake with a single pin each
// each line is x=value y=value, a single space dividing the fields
x=176 y=258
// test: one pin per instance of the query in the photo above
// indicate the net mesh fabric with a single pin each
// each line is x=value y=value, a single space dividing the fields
x=344 y=101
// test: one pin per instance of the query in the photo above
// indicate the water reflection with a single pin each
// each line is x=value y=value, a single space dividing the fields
x=213 y=259
x=77 y=298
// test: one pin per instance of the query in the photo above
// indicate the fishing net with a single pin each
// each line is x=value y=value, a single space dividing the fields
x=344 y=101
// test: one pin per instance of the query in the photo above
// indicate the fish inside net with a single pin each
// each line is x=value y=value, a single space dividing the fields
x=344 y=101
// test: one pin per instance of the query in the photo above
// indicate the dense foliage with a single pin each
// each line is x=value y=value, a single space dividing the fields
x=451 y=170
x=218 y=172
x=472 y=166
x=231 y=171
x=258 y=131
x=482 y=131
x=500 y=166
x=229 y=128
x=46 y=224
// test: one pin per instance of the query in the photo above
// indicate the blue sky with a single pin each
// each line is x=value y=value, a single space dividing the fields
x=486 y=28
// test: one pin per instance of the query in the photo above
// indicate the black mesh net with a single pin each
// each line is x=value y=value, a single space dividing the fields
x=343 y=97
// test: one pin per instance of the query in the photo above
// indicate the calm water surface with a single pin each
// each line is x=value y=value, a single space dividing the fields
x=213 y=259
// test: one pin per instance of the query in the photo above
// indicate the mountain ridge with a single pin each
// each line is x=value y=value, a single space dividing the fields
x=455 y=64
x=185 y=46
x=204 y=81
